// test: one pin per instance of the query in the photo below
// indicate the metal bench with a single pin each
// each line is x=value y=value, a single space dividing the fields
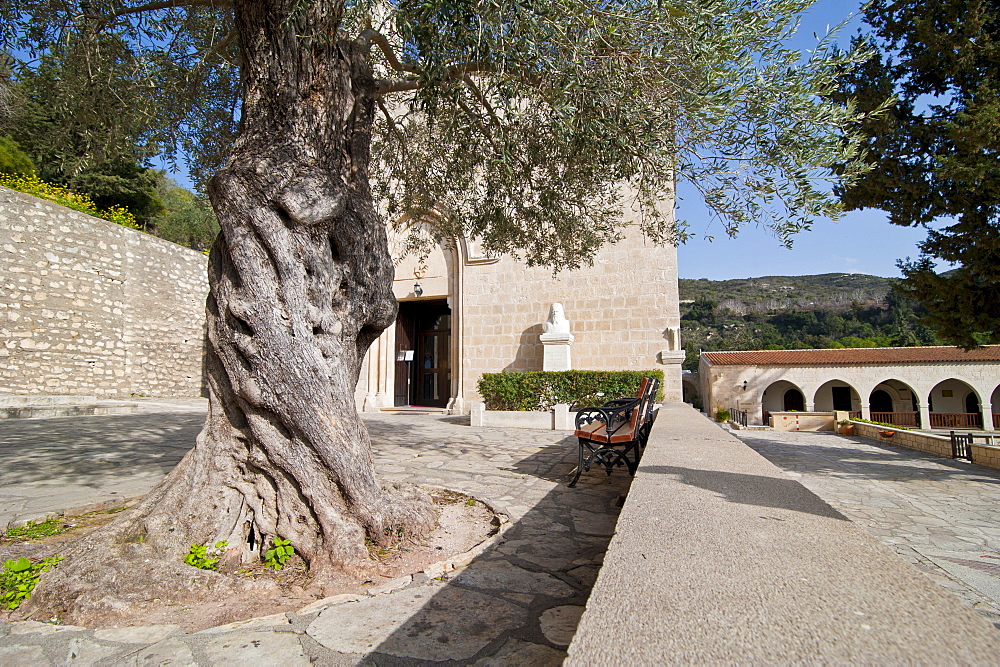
x=608 y=434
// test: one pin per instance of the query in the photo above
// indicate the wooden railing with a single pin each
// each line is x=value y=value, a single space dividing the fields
x=956 y=420
x=857 y=415
x=898 y=418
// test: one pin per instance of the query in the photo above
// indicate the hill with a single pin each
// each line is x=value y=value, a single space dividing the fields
x=828 y=290
x=796 y=312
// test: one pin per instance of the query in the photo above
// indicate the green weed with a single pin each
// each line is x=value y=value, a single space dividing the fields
x=19 y=577
x=279 y=555
x=33 y=531
x=204 y=559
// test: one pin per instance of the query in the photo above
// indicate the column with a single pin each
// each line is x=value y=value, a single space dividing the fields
x=987 y=412
x=925 y=417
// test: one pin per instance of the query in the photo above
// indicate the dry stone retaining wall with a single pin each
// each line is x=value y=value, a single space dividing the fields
x=88 y=307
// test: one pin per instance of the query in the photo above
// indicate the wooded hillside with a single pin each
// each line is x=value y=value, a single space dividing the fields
x=797 y=312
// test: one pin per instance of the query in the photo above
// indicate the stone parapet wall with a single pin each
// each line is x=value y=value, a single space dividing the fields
x=939 y=445
x=89 y=307
x=802 y=421
x=985 y=455
x=718 y=557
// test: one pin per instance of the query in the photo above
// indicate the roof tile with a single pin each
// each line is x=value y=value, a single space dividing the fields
x=852 y=356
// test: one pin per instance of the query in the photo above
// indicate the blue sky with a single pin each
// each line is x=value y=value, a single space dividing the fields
x=860 y=242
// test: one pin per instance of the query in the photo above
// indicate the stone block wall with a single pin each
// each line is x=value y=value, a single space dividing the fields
x=985 y=455
x=89 y=307
x=802 y=421
x=623 y=313
x=939 y=445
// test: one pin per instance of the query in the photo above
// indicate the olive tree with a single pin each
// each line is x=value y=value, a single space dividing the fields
x=531 y=126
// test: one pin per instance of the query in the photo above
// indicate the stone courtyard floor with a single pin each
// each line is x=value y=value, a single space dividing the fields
x=941 y=515
x=517 y=603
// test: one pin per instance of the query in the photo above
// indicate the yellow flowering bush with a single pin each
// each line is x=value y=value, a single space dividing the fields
x=33 y=185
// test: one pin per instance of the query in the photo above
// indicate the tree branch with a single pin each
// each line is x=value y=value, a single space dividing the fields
x=384 y=86
x=392 y=124
x=169 y=4
x=482 y=98
x=372 y=36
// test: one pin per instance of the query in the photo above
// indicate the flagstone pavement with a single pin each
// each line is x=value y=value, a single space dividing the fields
x=939 y=514
x=516 y=603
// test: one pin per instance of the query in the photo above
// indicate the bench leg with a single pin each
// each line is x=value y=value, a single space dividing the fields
x=632 y=464
x=579 y=466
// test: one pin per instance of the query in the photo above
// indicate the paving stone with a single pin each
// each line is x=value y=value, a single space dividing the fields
x=427 y=622
x=82 y=651
x=523 y=654
x=585 y=574
x=256 y=648
x=42 y=629
x=274 y=621
x=149 y=634
x=559 y=623
x=23 y=655
x=500 y=575
x=929 y=509
x=592 y=523
x=168 y=652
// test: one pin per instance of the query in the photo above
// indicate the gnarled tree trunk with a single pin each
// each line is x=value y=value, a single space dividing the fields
x=300 y=287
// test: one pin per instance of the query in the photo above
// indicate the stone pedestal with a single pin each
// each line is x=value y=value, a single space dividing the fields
x=673 y=360
x=556 y=351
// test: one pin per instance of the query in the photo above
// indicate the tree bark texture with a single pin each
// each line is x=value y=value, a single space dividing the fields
x=300 y=286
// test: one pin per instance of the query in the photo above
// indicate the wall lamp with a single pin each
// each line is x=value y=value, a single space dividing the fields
x=744 y=385
x=417 y=289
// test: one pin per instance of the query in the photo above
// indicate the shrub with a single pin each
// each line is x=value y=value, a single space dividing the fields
x=32 y=185
x=539 y=391
x=868 y=421
x=721 y=415
x=13 y=160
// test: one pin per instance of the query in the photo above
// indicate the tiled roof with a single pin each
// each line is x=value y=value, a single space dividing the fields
x=852 y=356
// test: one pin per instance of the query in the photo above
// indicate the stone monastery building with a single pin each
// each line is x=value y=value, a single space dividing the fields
x=925 y=387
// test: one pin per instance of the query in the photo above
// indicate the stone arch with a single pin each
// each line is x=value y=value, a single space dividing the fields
x=437 y=267
x=899 y=397
x=689 y=386
x=836 y=395
x=955 y=403
x=774 y=397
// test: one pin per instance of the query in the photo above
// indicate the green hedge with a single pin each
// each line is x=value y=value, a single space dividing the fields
x=541 y=390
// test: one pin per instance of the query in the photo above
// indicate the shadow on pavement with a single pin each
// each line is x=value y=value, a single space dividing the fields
x=87 y=450
x=751 y=489
x=863 y=458
x=517 y=603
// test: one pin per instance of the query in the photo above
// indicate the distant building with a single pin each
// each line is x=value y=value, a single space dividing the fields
x=926 y=387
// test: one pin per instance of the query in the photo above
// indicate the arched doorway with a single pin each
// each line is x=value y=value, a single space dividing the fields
x=837 y=395
x=423 y=343
x=880 y=401
x=954 y=404
x=894 y=402
x=995 y=403
x=781 y=396
x=794 y=400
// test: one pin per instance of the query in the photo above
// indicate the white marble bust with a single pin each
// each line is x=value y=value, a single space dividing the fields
x=557 y=322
